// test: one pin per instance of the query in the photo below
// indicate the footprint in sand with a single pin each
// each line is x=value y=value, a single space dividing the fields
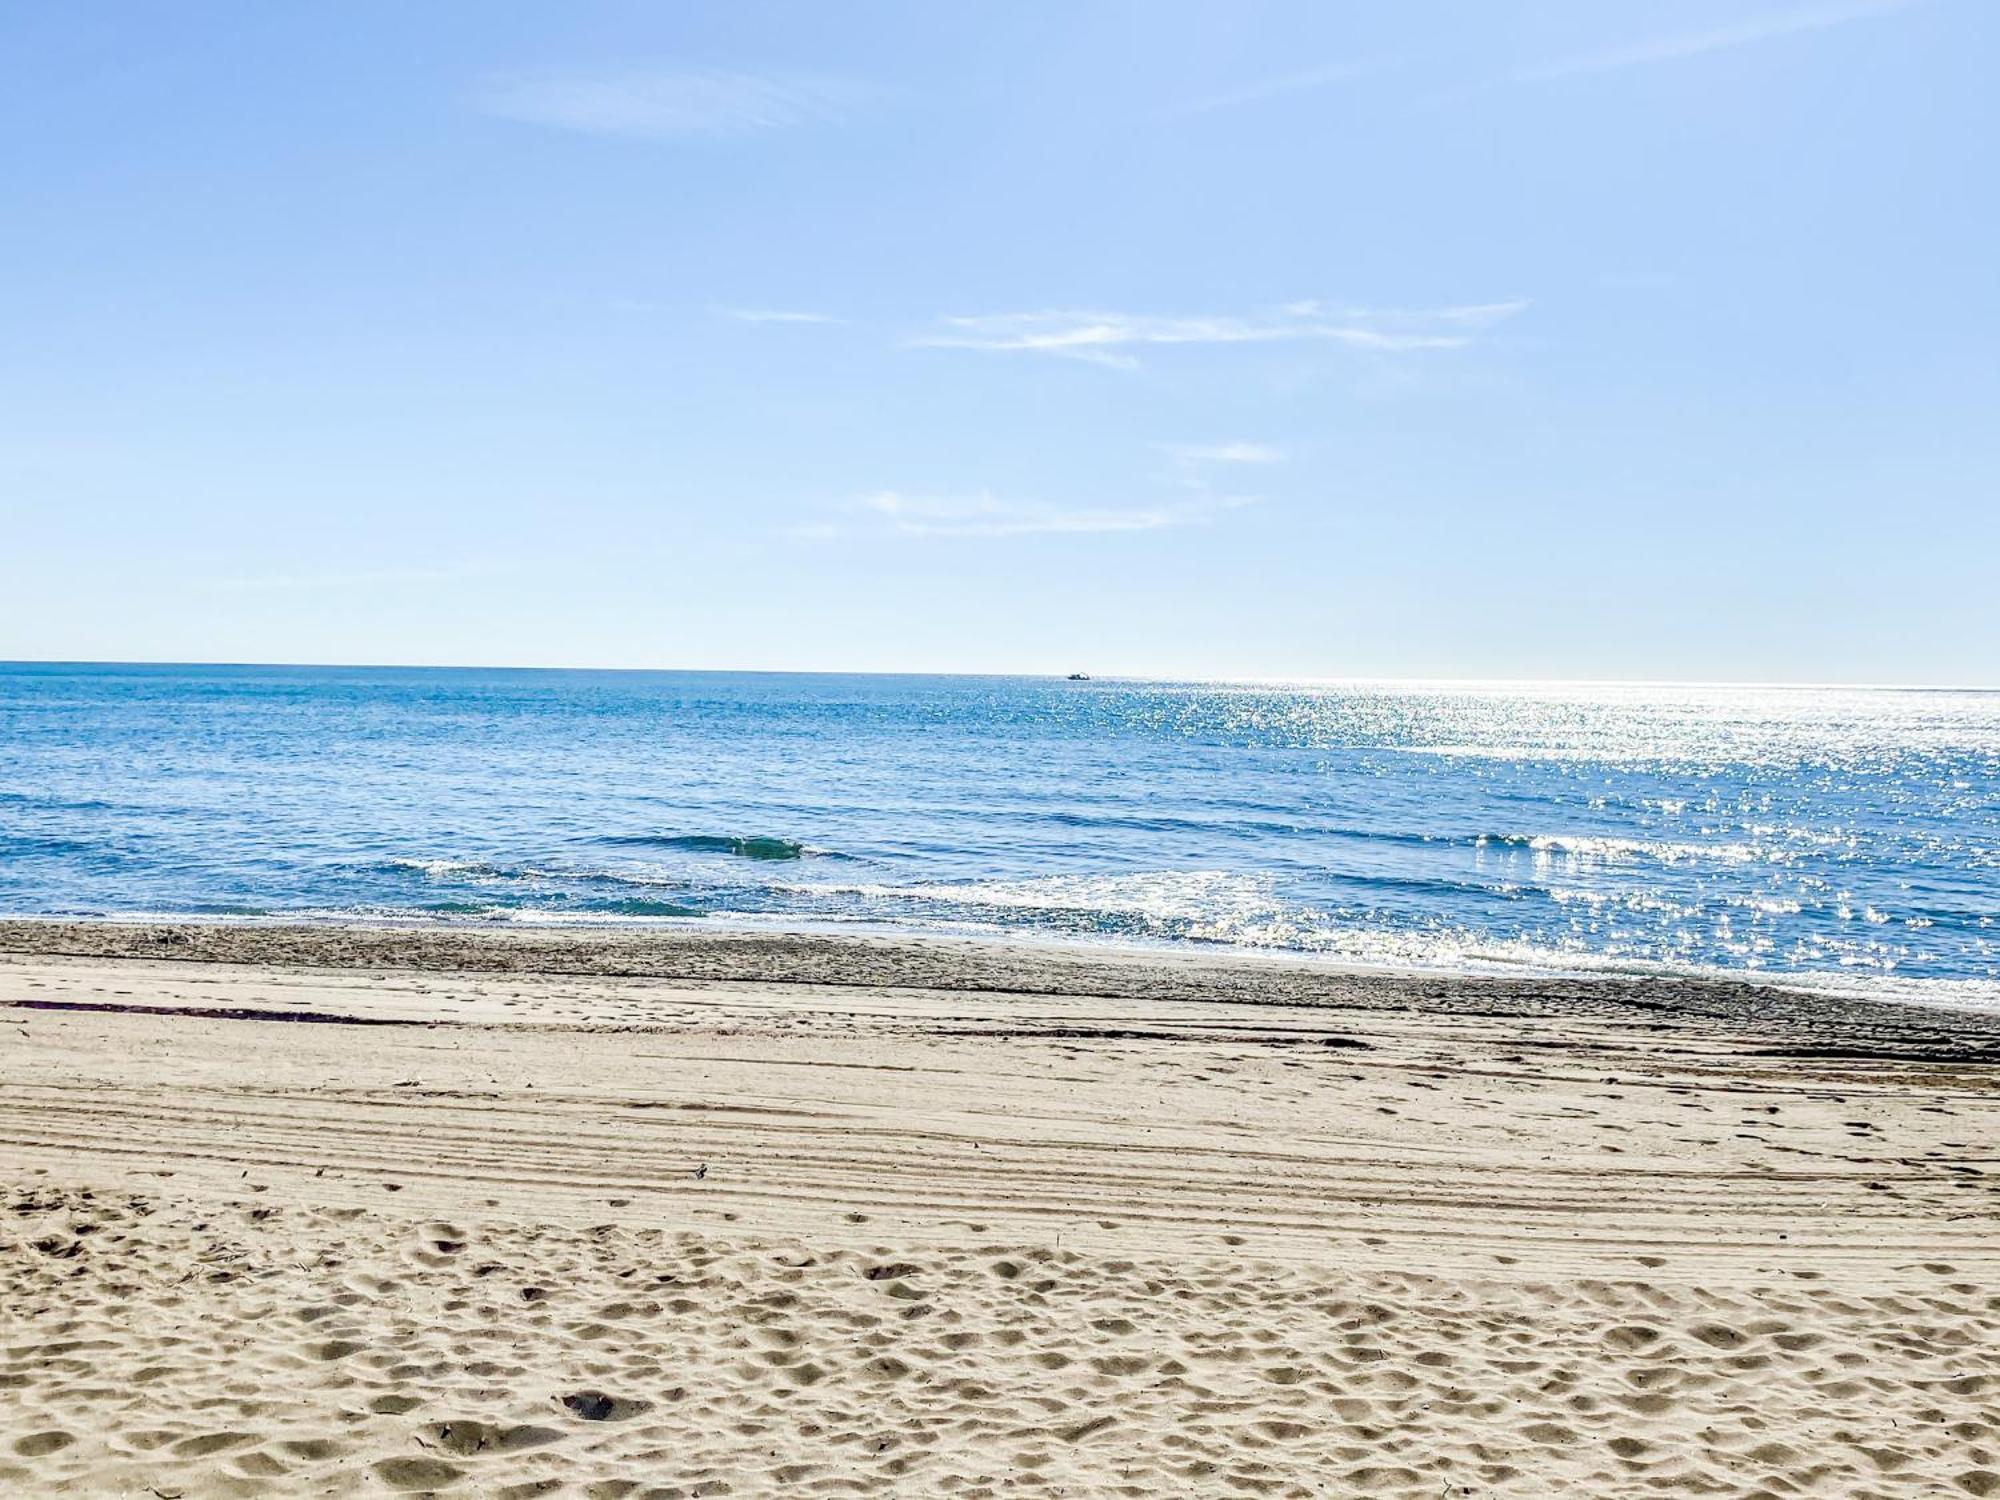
x=438 y=1244
x=413 y=1474
x=465 y=1437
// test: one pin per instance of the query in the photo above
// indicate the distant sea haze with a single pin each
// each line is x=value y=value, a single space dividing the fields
x=1841 y=839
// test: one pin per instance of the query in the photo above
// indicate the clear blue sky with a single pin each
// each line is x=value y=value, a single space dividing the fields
x=1562 y=339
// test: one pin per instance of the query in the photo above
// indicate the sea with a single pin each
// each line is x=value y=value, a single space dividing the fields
x=1839 y=839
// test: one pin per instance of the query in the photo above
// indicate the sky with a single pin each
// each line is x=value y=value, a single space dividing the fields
x=1563 y=339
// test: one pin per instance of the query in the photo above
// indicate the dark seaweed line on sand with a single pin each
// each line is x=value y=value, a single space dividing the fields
x=1782 y=1020
x=221 y=1013
x=1137 y=1034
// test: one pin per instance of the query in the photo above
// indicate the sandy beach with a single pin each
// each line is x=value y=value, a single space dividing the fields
x=329 y=1211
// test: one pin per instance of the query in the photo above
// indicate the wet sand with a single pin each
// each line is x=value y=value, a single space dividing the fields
x=351 y=1211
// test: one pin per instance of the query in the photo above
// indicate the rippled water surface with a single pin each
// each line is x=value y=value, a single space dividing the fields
x=1850 y=835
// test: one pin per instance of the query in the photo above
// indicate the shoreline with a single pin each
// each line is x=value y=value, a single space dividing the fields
x=787 y=956
x=1967 y=996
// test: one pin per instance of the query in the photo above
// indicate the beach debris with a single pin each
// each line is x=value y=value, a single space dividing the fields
x=596 y=1406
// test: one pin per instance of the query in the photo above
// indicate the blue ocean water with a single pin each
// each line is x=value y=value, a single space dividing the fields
x=1850 y=837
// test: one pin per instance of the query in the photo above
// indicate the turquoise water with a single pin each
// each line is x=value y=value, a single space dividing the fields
x=1852 y=836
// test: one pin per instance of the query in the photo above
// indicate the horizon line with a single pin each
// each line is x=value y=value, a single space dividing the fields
x=1048 y=674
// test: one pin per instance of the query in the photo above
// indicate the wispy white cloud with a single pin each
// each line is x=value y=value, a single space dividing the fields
x=1743 y=33
x=1109 y=338
x=1470 y=315
x=1273 y=88
x=1226 y=453
x=667 y=102
x=773 y=315
x=372 y=578
x=984 y=514
x=989 y=516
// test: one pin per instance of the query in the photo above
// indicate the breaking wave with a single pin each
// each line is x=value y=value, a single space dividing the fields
x=714 y=843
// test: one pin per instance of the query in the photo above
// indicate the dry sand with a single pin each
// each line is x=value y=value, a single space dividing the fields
x=334 y=1211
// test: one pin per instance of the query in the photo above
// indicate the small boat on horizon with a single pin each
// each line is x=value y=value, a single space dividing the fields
x=1079 y=677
